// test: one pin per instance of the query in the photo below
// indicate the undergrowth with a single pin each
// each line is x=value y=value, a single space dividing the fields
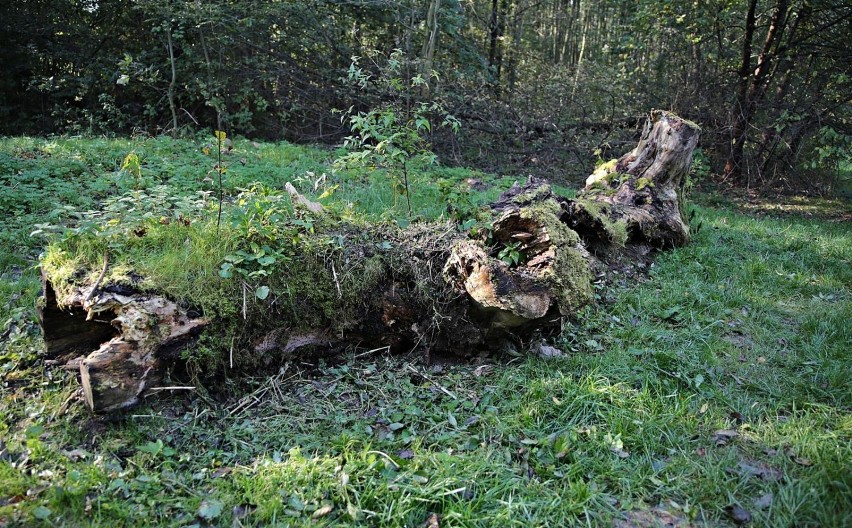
x=720 y=381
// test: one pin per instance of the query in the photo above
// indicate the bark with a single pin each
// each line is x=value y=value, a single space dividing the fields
x=428 y=287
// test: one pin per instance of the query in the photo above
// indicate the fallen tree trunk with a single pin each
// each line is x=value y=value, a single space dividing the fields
x=429 y=286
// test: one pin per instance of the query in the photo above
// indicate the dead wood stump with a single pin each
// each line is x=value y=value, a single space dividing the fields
x=428 y=286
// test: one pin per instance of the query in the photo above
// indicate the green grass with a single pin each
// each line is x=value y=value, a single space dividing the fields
x=745 y=329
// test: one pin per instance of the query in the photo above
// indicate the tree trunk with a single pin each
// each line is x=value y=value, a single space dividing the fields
x=428 y=287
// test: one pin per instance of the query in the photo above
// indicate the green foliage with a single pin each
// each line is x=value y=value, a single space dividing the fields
x=511 y=255
x=395 y=135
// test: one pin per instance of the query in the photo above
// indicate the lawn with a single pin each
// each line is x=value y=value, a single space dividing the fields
x=714 y=390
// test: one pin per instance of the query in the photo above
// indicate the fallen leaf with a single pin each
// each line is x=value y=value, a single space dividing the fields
x=322 y=511
x=650 y=518
x=700 y=451
x=76 y=454
x=483 y=370
x=546 y=351
x=738 y=514
x=764 y=501
x=703 y=409
x=406 y=454
x=620 y=452
x=754 y=468
x=241 y=511
x=221 y=472
x=738 y=417
x=433 y=521
x=723 y=436
x=802 y=461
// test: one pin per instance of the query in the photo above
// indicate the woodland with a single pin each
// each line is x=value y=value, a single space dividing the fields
x=425 y=263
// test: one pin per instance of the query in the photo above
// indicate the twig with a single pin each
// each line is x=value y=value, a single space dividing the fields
x=100 y=278
x=219 y=171
x=336 y=282
x=64 y=407
x=244 y=301
x=157 y=389
x=433 y=382
x=387 y=347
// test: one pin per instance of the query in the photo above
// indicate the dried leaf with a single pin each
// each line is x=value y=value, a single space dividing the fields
x=738 y=514
x=483 y=370
x=723 y=436
x=754 y=468
x=322 y=511
x=241 y=511
x=802 y=461
x=406 y=454
x=221 y=472
x=764 y=501
x=433 y=521
x=546 y=351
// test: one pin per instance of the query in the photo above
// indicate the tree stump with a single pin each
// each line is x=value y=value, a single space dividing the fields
x=429 y=286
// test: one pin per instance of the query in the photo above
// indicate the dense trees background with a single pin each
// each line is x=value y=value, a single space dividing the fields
x=537 y=84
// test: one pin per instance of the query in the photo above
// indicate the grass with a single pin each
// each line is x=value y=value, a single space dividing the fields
x=719 y=380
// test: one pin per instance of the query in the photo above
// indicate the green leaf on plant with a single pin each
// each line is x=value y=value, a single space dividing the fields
x=262 y=292
x=42 y=513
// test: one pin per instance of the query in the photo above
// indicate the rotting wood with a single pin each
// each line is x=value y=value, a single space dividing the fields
x=450 y=293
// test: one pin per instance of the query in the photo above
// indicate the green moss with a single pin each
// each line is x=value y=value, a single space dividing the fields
x=643 y=182
x=570 y=275
x=602 y=175
x=540 y=193
x=616 y=229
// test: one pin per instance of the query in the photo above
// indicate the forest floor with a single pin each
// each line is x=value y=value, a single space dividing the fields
x=714 y=392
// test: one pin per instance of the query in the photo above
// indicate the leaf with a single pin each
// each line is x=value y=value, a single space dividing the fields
x=220 y=135
x=210 y=509
x=322 y=511
x=723 y=436
x=406 y=454
x=802 y=461
x=452 y=420
x=42 y=513
x=764 y=501
x=396 y=426
x=738 y=514
x=153 y=448
x=262 y=292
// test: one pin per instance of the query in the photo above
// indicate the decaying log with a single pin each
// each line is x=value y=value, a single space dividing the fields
x=136 y=333
x=429 y=286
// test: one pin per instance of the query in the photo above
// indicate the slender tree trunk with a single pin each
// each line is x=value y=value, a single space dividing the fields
x=427 y=54
x=739 y=117
x=171 y=91
x=753 y=84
